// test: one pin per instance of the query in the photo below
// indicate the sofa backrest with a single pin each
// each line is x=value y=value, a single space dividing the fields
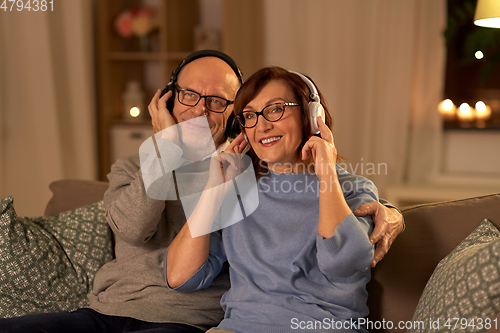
x=73 y=193
x=432 y=232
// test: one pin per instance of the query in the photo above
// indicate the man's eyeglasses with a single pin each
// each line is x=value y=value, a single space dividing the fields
x=272 y=112
x=212 y=103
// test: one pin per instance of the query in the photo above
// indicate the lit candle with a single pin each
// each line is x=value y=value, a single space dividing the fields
x=483 y=111
x=447 y=109
x=465 y=112
x=135 y=112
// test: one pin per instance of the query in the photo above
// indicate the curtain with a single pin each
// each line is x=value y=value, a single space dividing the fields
x=380 y=65
x=47 y=103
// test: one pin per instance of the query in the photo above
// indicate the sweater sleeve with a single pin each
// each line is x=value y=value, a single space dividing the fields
x=206 y=274
x=132 y=214
x=349 y=250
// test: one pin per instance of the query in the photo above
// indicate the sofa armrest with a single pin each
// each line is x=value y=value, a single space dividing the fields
x=73 y=193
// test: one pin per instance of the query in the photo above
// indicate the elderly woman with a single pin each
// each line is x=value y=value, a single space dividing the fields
x=300 y=261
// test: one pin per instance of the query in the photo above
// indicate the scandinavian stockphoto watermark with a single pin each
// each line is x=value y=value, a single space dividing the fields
x=359 y=168
x=352 y=325
x=181 y=162
x=311 y=183
x=175 y=164
x=365 y=169
x=27 y=5
x=430 y=324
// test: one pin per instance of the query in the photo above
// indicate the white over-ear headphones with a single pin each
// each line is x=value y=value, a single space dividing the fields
x=315 y=107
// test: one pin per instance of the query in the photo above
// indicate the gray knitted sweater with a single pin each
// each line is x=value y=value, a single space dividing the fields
x=132 y=285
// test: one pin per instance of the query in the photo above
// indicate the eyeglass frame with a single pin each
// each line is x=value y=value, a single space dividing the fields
x=261 y=113
x=177 y=90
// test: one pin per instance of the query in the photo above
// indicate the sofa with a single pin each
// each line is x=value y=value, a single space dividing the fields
x=437 y=235
x=432 y=232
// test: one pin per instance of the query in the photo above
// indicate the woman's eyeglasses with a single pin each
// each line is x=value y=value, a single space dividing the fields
x=272 y=112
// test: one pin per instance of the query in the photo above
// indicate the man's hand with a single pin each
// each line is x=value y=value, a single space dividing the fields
x=160 y=116
x=161 y=119
x=388 y=224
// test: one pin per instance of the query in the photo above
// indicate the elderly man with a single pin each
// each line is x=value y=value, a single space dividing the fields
x=130 y=294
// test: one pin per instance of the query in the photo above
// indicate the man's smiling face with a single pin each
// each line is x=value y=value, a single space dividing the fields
x=206 y=76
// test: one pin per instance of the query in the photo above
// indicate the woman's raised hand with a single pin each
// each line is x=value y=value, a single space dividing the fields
x=226 y=166
x=323 y=151
x=237 y=146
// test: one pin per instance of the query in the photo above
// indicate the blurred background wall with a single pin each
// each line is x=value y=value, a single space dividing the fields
x=47 y=103
x=380 y=64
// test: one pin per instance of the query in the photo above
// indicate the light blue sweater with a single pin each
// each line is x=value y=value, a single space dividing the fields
x=284 y=276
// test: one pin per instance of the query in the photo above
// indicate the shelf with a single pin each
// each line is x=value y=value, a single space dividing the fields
x=137 y=56
x=120 y=60
x=142 y=122
x=147 y=56
x=178 y=55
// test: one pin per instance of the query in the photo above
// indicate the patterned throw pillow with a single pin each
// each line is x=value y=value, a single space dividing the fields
x=48 y=263
x=464 y=289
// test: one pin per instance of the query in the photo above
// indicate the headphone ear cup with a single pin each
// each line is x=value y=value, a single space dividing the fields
x=232 y=127
x=170 y=102
x=315 y=110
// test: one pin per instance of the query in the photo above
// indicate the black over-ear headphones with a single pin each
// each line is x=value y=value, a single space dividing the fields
x=232 y=127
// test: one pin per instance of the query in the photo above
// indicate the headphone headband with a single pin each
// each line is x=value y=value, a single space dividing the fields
x=201 y=54
x=315 y=108
x=314 y=96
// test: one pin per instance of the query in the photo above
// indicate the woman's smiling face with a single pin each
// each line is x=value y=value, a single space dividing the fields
x=277 y=143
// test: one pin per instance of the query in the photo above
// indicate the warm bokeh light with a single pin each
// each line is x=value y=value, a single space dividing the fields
x=465 y=108
x=448 y=105
x=465 y=112
x=135 y=112
x=480 y=106
x=483 y=111
x=447 y=109
x=479 y=55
